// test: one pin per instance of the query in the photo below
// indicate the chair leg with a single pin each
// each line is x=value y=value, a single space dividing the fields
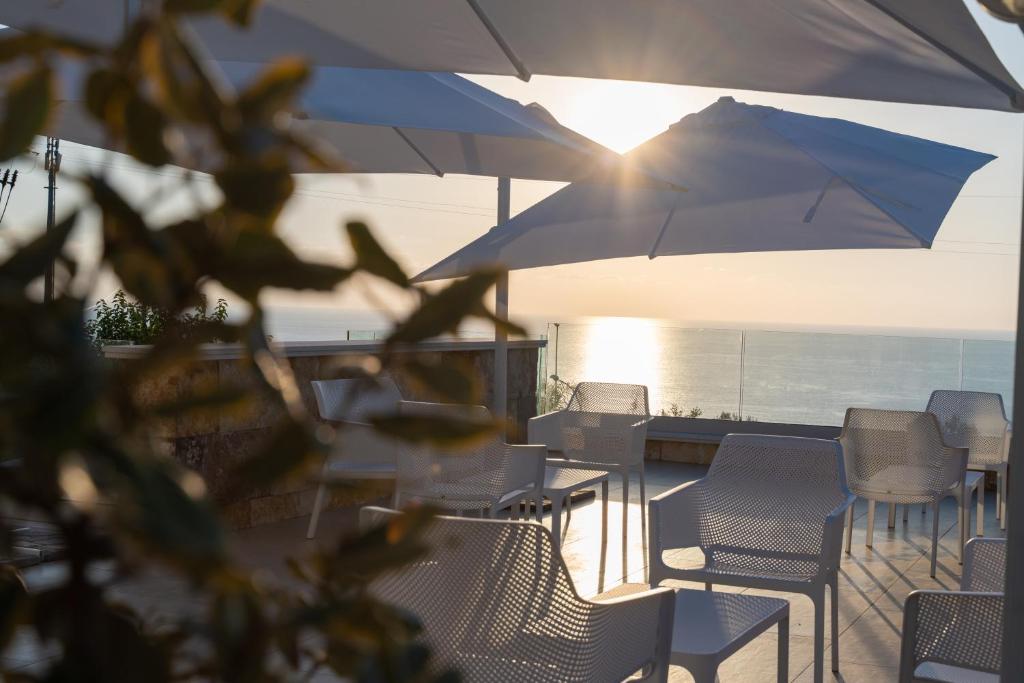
x=835 y=623
x=871 y=524
x=539 y=508
x=906 y=513
x=568 y=511
x=961 y=522
x=1001 y=488
x=935 y=536
x=819 y=637
x=556 y=521
x=643 y=518
x=625 y=523
x=979 y=523
x=849 y=529
x=318 y=504
x=703 y=670
x=892 y=515
x=783 y=665
x=604 y=536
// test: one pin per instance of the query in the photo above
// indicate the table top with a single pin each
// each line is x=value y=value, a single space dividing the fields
x=560 y=480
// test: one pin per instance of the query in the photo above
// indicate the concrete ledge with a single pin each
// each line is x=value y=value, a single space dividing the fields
x=301 y=349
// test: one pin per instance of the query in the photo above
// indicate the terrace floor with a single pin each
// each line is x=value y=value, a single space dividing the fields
x=873 y=581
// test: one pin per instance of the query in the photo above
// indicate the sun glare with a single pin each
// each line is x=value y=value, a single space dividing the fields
x=626 y=350
x=622 y=114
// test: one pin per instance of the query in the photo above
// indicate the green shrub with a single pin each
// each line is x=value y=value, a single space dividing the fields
x=126 y=321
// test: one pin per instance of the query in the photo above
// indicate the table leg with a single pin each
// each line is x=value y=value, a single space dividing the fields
x=783 y=666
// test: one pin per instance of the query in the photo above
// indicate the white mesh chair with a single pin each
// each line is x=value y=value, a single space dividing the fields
x=604 y=428
x=900 y=457
x=497 y=603
x=768 y=515
x=488 y=477
x=957 y=635
x=976 y=420
x=359 y=451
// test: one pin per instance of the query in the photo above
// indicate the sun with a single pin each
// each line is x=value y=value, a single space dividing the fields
x=622 y=114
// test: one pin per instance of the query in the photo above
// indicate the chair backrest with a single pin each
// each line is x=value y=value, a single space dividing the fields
x=605 y=423
x=498 y=604
x=608 y=397
x=603 y=438
x=898 y=454
x=765 y=499
x=972 y=419
x=984 y=565
x=354 y=400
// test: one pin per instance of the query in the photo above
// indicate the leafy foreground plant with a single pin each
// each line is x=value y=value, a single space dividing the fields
x=84 y=454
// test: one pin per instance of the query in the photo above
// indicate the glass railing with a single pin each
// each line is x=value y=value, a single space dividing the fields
x=790 y=377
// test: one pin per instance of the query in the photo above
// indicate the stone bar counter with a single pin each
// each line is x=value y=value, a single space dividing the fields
x=214 y=444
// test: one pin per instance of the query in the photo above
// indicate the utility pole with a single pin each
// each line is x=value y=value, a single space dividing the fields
x=52 y=166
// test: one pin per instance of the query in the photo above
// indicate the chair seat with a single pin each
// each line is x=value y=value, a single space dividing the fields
x=560 y=481
x=717 y=624
x=341 y=469
x=945 y=673
x=784 y=571
x=883 y=486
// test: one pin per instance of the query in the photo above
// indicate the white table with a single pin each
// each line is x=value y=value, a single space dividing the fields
x=710 y=627
x=559 y=485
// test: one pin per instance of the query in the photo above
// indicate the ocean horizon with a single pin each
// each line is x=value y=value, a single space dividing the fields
x=793 y=374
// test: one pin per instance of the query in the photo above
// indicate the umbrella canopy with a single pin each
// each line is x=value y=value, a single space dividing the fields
x=382 y=121
x=759 y=179
x=917 y=51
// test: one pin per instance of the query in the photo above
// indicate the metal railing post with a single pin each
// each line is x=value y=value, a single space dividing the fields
x=743 y=356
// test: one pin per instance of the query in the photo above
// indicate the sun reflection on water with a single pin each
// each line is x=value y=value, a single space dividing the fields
x=626 y=350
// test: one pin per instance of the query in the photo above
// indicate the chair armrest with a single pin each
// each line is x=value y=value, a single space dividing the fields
x=956 y=466
x=984 y=565
x=674 y=519
x=832 y=538
x=546 y=429
x=524 y=467
x=955 y=628
x=633 y=632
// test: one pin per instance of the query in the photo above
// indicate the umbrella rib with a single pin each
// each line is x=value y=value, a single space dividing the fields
x=664 y=227
x=438 y=172
x=510 y=54
x=1016 y=97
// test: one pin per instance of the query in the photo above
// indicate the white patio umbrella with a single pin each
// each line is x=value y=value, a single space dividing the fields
x=920 y=51
x=382 y=121
x=759 y=179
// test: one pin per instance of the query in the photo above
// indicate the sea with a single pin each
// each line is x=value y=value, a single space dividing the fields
x=797 y=376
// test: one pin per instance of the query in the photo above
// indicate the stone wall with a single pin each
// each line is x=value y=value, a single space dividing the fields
x=215 y=443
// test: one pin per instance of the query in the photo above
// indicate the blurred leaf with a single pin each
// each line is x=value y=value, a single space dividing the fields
x=258 y=189
x=449 y=382
x=13 y=602
x=106 y=93
x=163 y=518
x=31 y=260
x=144 y=132
x=371 y=257
x=274 y=89
x=432 y=429
x=27 y=106
x=238 y=11
x=290 y=450
x=444 y=311
x=149 y=266
x=256 y=260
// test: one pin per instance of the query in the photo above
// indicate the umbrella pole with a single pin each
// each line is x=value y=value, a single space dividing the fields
x=52 y=164
x=501 y=311
x=1013 y=616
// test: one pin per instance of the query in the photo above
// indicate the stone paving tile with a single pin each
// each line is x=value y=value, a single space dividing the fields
x=874 y=582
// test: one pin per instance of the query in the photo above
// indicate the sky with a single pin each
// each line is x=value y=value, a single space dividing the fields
x=966 y=282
